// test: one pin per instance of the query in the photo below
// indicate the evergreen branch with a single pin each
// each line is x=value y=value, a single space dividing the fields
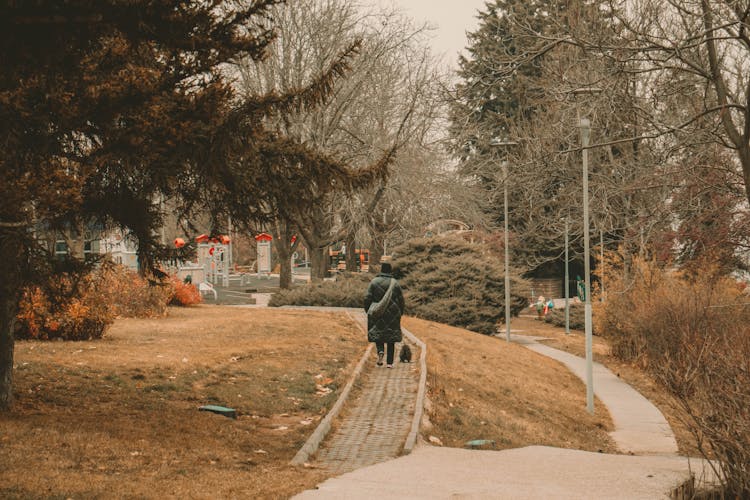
x=307 y=98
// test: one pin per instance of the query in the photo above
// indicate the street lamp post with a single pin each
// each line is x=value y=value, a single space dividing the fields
x=567 y=280
x=506 y=144
x=505 y=249
x=585 y=127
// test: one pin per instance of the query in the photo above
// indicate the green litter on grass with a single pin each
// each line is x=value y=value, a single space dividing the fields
x=220 y=410
x=480 y=443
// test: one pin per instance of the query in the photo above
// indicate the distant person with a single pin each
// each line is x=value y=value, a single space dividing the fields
x=581 y=289
x=384 y=303
x=541 y=305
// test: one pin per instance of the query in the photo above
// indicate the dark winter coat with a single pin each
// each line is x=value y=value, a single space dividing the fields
x=387 y=328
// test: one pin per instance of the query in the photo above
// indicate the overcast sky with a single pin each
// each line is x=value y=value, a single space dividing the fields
x=452 y=18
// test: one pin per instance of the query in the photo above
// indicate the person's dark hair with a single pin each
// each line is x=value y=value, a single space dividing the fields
x=385 y=267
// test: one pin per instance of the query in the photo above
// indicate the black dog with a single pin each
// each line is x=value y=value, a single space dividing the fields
x=405 y=354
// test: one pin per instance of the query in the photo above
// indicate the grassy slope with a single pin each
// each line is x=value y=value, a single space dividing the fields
x=481 y=387
x=118 y=417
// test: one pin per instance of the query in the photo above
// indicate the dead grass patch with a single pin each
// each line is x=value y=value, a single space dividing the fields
x=118 y=417
x=481 y=387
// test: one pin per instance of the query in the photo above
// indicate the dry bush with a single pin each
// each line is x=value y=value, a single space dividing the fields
x=183 y=294
x=576 y=317
x=131 y=295
x=691 y=332
x=68 y=308
x=80 y=305
x=347 y=291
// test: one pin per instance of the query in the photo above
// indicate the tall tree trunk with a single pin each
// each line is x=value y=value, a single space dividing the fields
x=376 y=252
x=351 y=255
x=318 y=263
x=11 y=253
x=744 y=154
x=145 y=258
x=284 y=250
x=285 y=267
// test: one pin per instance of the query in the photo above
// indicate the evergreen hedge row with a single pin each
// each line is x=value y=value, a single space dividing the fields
x=445 y=279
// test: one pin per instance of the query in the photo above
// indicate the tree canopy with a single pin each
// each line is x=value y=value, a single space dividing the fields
x=107 y=107
x=524 y=89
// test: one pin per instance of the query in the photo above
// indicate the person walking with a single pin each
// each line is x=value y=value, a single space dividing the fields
x=384 y=303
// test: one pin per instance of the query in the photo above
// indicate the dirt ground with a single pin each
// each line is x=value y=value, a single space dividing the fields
x=575 y=344
x=118 y=418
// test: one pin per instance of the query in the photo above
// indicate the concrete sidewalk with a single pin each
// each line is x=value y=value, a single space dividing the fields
x=640 y=428
x=538 y=471
x=533 y=472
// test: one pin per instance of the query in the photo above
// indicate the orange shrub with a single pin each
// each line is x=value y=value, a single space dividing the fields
x=131 y=295
x=650 y=308
x=71 y=309
x=74 y=307
x=690 y=330
x=183 y=294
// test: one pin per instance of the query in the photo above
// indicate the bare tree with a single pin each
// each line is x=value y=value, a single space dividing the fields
x=523 y=84
x=687 y=62
x=387 y=105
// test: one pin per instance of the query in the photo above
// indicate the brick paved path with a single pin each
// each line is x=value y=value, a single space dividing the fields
x=373 y=426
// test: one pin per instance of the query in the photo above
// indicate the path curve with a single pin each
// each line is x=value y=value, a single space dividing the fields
x=640 y=428
x=537 y=471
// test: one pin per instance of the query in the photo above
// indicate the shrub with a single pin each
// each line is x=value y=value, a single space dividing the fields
x=576 y=317
x=457 y=282
x=69 y=308
x=347 y=291
x=80 y=305
x=183 y=294
x=131 y=295
x=691 y=333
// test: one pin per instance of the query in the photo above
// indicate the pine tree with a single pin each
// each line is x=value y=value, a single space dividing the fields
x=108 y=106
x=525 y=62
x=499 y=82
x=503 y=86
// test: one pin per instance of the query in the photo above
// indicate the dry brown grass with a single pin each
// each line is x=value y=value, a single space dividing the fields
x=118 y=417
x=634 y=376
x=484 y=388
